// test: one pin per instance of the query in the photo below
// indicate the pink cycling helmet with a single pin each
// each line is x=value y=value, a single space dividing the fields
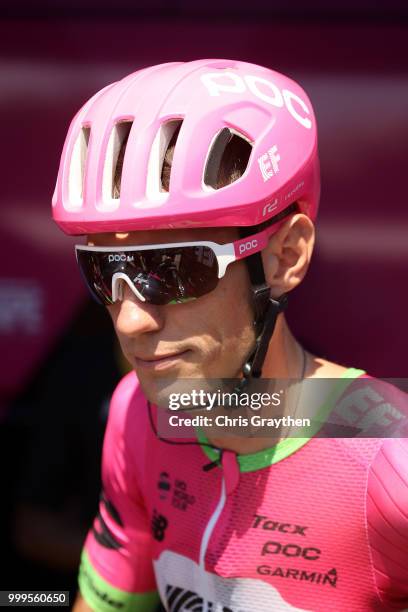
x=209 y=101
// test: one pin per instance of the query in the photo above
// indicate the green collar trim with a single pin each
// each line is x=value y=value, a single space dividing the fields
x=288 y=446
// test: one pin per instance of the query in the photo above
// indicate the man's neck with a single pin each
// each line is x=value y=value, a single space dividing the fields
x=285 y=359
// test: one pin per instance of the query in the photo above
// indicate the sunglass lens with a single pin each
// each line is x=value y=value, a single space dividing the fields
x=161 y=276
x=90 y=267
x=176 y=275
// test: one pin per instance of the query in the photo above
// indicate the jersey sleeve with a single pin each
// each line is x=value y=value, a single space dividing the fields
x=387 y=521
x=116 y=570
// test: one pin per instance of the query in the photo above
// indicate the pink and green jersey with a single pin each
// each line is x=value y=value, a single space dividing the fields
x=311 y=524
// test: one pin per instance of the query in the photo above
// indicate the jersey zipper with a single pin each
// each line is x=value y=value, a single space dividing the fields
x=212 y=523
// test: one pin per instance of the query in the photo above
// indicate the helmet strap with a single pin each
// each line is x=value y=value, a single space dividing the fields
x=266 y=311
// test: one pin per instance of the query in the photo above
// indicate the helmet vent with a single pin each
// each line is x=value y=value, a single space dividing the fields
x=77 y=168
x=160 y=160
x=114 y=158
x=227 y=158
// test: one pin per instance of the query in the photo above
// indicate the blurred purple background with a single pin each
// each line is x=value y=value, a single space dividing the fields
x=352 y=59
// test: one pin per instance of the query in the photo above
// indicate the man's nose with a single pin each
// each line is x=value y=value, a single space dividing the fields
x=135 y=317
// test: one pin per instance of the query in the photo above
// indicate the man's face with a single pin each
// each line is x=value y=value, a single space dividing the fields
x=209 y=337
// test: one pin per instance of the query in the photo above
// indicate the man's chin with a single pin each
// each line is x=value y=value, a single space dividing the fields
x=157 y=389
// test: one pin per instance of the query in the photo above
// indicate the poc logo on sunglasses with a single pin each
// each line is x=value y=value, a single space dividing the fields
x=121 y=257
x=247 y=246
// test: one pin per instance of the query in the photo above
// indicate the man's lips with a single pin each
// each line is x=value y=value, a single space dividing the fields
x=152 y=360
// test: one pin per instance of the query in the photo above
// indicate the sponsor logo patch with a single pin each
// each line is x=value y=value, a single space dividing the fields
x=159 y=525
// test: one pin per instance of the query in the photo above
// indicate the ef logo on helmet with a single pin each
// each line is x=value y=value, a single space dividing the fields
x=216 y=84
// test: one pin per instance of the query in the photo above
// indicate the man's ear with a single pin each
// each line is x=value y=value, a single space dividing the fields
x=287 y=257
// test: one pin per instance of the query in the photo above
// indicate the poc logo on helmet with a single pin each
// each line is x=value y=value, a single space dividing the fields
x=247 y=246
x=120 y=257
x=216 y=84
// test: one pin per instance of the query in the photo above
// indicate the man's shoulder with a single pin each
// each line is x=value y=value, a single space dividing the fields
x=128 y=406
x=128 y=390
x=387 y=501
x=318 y=367
x=373 y=407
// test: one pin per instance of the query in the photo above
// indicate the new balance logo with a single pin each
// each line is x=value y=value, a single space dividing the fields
x=159 y=525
